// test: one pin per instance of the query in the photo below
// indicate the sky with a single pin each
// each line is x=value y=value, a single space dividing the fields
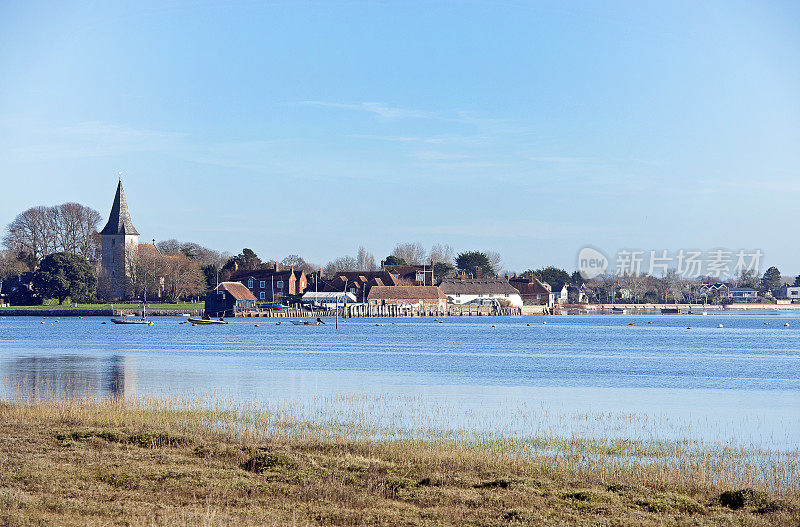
x=528 y=128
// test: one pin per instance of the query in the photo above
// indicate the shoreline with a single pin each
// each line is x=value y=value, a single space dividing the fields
x=166 y=463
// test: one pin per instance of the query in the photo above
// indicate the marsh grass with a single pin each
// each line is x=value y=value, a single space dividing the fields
x=215 y=461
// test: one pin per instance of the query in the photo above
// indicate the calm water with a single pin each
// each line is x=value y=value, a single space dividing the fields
x=574 y=374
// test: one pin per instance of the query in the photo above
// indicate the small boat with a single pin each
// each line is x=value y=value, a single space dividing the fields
x=205 y=321
x=125 y=320
x=140 y=321
x=670 y=311
x=317 y=322
x=619 y=311
x=273 y=305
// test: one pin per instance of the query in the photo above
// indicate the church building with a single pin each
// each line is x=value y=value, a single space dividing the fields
x=120 y=246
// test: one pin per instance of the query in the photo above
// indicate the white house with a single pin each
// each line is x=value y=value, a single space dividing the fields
x=481 y=291
x=559 y=297
x=788 y=291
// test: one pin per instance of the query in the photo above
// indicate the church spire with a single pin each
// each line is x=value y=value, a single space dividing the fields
x=119 y=221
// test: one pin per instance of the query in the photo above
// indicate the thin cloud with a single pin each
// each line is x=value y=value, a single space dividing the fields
x=376 y=108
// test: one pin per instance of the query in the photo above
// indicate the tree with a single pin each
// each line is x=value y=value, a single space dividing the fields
x=554 y=276
x=344 y=263
x=39 y=231
x=576 y=278
x=394 y=260
x=365 y=261
x=299 y=264
x=247 y=260
x=10 y=266
x=796 y=281
x=441 y=253
x=144 y=271
x=442 y=270
x=411 y=253
x=65 y=275
x=182 y=276
x=469 y=262
x=771 y=279
x=747 y=278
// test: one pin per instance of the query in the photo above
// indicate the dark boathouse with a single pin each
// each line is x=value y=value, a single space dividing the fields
x=229 y=298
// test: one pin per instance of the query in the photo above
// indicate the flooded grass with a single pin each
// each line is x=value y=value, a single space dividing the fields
x=214 y=461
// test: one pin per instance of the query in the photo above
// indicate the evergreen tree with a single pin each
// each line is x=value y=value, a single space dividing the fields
x=469 y=262
x=65 y=275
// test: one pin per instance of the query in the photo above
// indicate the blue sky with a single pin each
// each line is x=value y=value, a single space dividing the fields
x=528 y=128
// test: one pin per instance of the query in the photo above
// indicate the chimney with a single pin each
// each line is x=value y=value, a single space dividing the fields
x=276 y=266
x=477 y=271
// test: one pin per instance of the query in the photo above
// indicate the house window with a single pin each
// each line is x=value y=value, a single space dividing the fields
x=261 y=295
x=279 y=284
x=262 y=284
x=250 y=284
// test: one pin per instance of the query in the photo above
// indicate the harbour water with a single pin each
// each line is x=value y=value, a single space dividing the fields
x=614 y=375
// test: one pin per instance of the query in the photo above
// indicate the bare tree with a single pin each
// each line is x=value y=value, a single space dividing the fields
x=39 y=231
x=441 y=253
x=343 y=263
x=144 y=271
x=412 y=253
x=495 y=259
x=365 y=261
x=182 y=276
x=298 y=263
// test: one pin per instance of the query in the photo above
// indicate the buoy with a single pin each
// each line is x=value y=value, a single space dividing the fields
x=529 y=325
x=56 y=320
x=494 y=325
x=394 y=323
x=151 y=324
x=766 y=323
x=377 y=324
x=630 y=323
x=102 y=322
x=650 y=322
x=193 y=325
x=544 y=322
x=276 y=323
x=255 y=325
x=441 y=322
x=720 y=326
x=689 y=327
x=42 y=321
x=787 y=324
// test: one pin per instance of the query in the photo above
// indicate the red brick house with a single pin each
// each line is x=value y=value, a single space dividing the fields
x=411 y=274
x=272 y=284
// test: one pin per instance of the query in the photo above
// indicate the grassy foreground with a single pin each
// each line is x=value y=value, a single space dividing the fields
x=109 y=462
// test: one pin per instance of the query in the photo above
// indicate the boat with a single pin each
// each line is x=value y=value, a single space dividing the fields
x=273 y=305
x=205 y=321
x=125 y=320
x=139 y=321
x=317 y=322
x=619 y=311
x=670 y=311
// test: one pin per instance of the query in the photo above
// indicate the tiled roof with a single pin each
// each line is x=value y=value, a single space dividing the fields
x=237 y=289
x=405 y=292
x=477 y=286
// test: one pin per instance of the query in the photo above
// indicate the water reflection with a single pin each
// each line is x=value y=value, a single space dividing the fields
x=70 y=376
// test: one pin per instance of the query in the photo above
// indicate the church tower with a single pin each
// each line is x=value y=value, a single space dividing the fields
x=120 y=243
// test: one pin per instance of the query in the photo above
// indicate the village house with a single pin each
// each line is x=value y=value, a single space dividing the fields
x=272 y=284
x=408 y=296
x=481 y=291
x=410 y=274
x=229 y=298
x=532 y=291
x=559 y=297
x=742 y=294
x=359 y=283
x=328 y=299
x=787 y=291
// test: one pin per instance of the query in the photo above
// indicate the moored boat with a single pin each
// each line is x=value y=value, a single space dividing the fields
x=205 y=321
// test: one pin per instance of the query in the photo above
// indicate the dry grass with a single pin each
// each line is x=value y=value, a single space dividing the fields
x=116 y=462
